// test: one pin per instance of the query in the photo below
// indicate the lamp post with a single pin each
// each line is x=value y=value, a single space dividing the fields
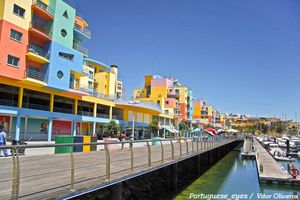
x=133 y=103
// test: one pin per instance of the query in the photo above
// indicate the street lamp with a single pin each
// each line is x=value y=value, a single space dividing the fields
x=133 y=103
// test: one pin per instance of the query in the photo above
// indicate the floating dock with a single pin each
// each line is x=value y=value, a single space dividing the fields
x=269 y=171
x=248 y=150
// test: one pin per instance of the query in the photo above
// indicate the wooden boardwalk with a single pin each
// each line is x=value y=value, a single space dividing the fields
x=269 y=171
x=48 y=176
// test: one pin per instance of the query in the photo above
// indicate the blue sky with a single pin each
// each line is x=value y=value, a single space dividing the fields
x=242 y=56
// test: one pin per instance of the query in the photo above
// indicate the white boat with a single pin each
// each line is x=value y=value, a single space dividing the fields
x=273 y=147
x=286 y=159
x=281 y=142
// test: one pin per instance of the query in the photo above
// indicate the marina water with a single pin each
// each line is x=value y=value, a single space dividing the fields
x=238 y=179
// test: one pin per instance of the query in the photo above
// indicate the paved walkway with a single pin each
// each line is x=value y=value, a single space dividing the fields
x=48 y=175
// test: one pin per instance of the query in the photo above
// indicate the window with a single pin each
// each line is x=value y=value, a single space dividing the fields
x=90 y=85
x=167 y=102
x=60 y=74
x=15 y=35
x=66 y=14
x=19 y=11
x=13 y=61
x=91 y=74
x=66 y=56
x=63 y=32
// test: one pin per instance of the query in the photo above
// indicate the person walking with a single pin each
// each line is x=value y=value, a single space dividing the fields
x=122 y=138
x=3 y=153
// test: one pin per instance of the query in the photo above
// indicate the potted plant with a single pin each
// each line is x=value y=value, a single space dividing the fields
x=111 y=133
x=183 y=127
x=153 y=126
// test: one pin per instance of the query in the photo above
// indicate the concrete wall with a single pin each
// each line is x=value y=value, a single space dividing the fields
x=163 y=183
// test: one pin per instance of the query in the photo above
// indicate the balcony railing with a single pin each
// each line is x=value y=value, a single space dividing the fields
x=36 y=106
x=103 y=96
x=44 y=6
x=85 y=113
x=5 y=102
x=33 y=48
x=80 y=48
x=105 y=116
x=40 y=27
x=35 y=75
x=84 y=31
x=63 y=110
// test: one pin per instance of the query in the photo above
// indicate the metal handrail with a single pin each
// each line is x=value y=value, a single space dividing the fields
x=38 y=50
x=80 y=48
x=44 y=6
x=84 y=31
x=40 y=27
x=71 y=168
x=36 y=106
x=35 y=75
x=8 y=102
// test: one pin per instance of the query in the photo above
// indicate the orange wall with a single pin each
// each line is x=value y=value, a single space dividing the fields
x=172 y=103
x=13 y=48
x=183 y=110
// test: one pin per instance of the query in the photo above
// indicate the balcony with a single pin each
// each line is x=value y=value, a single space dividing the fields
x=80 y=48
x=40 y=31
x=5 y=102
x=103 y=96
x=173 y=93
x=105 y=116
x=36 y=106
x=63 y=110
x=85 y=113
x=42 y=10
x=37 y=54
x=83 y=31
x=35 y=75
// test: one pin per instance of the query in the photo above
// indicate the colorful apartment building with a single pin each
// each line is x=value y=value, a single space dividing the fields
x=208 y=114
x=49 y=85
x=175 y=100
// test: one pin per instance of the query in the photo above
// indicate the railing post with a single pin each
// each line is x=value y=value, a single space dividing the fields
x=187 y=147
x=72 y=171
x=162 y=152
x=132 y=157
x=149 y=154
x=172 y=148
x=197 y=144
x=193 y=145
x=107 y=162
x=16 y=175
x=201 y=144
x=180 y=148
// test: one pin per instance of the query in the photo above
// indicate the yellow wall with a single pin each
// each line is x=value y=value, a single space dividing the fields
x=102 y=78
x=183 y=94
x=148 y=80
x=46 y=1
x=8 y=14
x=210 y=110
x=1 y=9
x=85 y=79
x=111 y=89
x=197 y=111
x=159 y=91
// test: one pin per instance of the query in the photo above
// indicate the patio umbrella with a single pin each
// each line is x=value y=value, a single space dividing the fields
x=211 y=130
